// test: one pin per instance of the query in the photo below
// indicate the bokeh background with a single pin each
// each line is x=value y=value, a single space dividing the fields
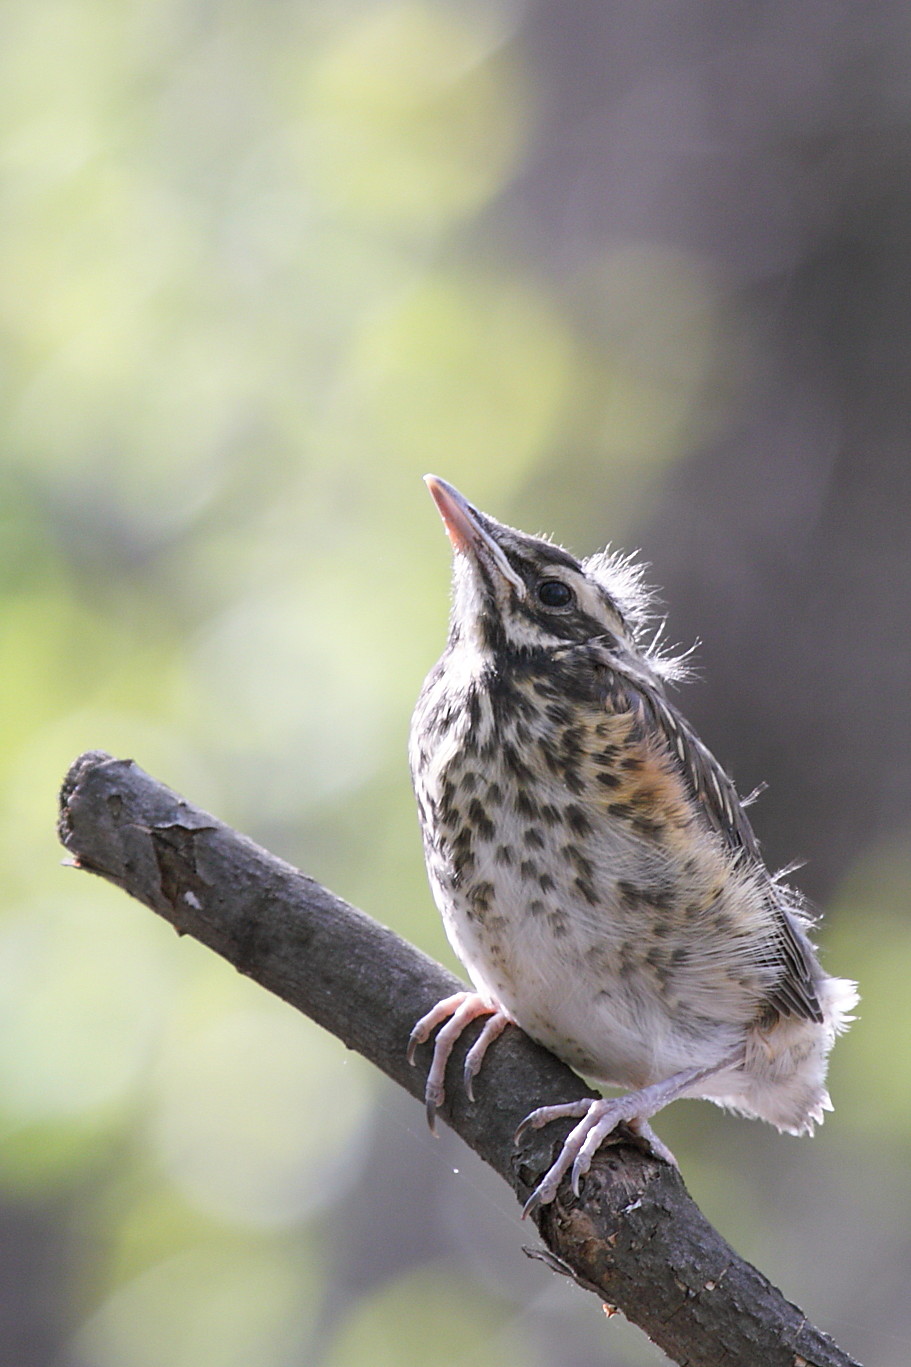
x=620 y=270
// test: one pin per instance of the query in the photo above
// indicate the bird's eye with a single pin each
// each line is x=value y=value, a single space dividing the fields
x=553 y=593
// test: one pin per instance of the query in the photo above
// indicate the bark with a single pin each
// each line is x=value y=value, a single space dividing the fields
x=634 y=1238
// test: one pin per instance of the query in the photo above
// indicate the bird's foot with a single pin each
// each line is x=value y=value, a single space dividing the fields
x=458 y=1011
x=599 y=1120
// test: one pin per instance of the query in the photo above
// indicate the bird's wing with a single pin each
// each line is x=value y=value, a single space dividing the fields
x=795 y=993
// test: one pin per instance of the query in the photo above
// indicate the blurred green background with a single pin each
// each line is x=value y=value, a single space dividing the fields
x=618 y=274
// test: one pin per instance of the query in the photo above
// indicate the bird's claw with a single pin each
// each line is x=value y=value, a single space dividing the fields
x=547 y=1188
x=580 y=1168
x=418 y=1036
x=433 y=1100
x=526 y=1125
x=531 y=1205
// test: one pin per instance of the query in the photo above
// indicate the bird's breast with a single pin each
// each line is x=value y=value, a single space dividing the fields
x=574 y=884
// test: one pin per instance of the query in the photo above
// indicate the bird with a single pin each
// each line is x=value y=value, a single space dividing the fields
x=595 y=869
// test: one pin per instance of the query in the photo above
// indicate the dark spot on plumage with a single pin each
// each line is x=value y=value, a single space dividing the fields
x=442 y=715
x=631 y=763
x=644 y=796
x=528 y=869
x=494 y=793
x=462 y=842
x=463 y=865
x=550 y=814
x=533 y=838
x=473 y=708
x=657 y=958
x=514 y=762
x=577 y=819
x=469 y=781
x=621 y=810
x=550 y=756
x=559 y=713
x=504 y=855
x=585 y=867
x=660 y=899
x=480 y=820
x=609 y=780
x=525 y=804
x=485 y=749
x=572 y=742
x=544 y=688
x=573 y=781
x=521 y=733
x=537 y=907
x=587 y=890
x=582 y=864
x=481 y=892
x=558 y=924
x=546 y=882
x=648 y=827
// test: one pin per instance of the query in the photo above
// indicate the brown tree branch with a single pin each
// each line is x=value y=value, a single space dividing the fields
x=635 y=1238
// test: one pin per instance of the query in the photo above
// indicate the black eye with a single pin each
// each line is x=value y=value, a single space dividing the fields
x=553 y=593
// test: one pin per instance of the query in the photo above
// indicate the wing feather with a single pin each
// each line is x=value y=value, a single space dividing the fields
x=795 y=993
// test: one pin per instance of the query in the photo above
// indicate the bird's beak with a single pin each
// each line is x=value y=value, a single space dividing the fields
x=466 y=532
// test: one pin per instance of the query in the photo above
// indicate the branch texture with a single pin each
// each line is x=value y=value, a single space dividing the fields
x=634 y=1238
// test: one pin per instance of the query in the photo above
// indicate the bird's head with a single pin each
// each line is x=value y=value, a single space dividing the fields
x=516 y=593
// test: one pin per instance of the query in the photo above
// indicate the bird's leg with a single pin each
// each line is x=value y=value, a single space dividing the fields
x=458 y=1011
x=599 y=1120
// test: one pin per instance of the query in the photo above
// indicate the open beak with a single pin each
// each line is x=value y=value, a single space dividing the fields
x=465 y=531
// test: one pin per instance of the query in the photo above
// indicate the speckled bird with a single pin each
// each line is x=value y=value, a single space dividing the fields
x=594 y=866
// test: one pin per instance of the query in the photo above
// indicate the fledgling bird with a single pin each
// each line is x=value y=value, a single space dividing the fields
x=594 y=867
